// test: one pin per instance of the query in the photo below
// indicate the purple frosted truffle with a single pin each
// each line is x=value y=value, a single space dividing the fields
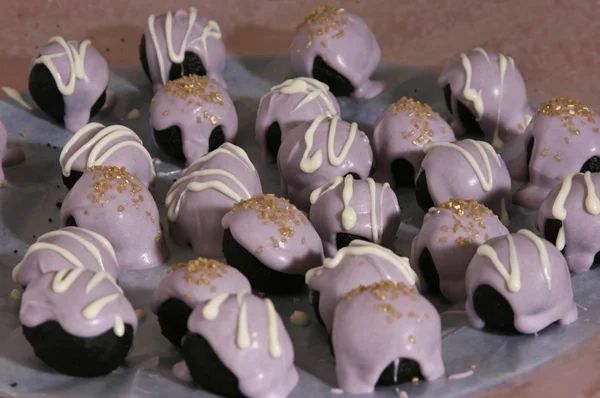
x=8 y=156
x=360 y=263
x=573 y=207
x=290 y=103
x=207 y=190
x=362 y=208
x=69 y=247
x=449 y=239
x=380 y=324
x=400 y=133
x=249 y=338
x=344 y=42
x=530 y=274
x=562 y=139
x=314 y=153
x=110 y=201
x=97 y=145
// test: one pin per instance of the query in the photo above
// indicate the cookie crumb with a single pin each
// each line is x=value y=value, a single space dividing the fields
x=261 y=294
x=296 y=299
x=58 y=204
x=24 y=135
x=134 y=114
x=415 y=380
x=15 y=295
x=13 y=384
x=49 y=220
x=140 y=313
x=300 y=318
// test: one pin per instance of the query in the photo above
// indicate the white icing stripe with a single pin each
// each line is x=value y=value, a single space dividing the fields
x=311 y=164
x=373 y=194
x=243 y=336
x=161 y=64
x=482 y=52
x=227 y=149
x=89 y=246
x=513 y=279
x=470 y=93
x=483 y=148
x=592 y=203
x=119 y=328
x=65 y=278
x=317 y=193
x=211 y=29
x=66 y=254
x=558 y=208
x=16 y=96
x=560 y=239
x=511 y=61
x=496 y=140
x=98 y=278
x=311 y=88
x=76 y=60
x=348 y=214
x=504 y=218
x=274 y=346
x=210 y=310
x=103 y=241
x=92 y=310
x=543 y=252
x=178 y=57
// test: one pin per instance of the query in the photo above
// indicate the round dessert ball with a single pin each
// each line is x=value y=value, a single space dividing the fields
x=287 y=105
x=316 y=152
x=8 y=156
x=519 y=283
x=446 y=243
x=359 y=264
x=97 y=145
x=465 y=169
x=568 y=218
x=181 y=43
x=271 y=242
x=337 y=47
x=238 y=347
x=115 y=204
x=78 y=321
x=398 y=139
x=188 y=284
x=405 y=337
x=346 y=209
x=68 y=81
x=563 y=138
x=192 y=116
x=207 y=190
x=69 y=247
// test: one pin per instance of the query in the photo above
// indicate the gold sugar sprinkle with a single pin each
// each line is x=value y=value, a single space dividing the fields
x=567 y=140
x=385 y=290
x=259 y=249
x=121 y=208
x=567 y=110
x=303 y=240
x=134 y=114
x=596 y=130
x=109 y=178
x=85 y=212
x=202 y=87
x=444 y=228
x=202 y=271
x=322 y=21
x=296 y=299
x=443 y=239
x=411 y=340
x=415 y=379
x=545 y=152
x=557 y=157
x=188 y=296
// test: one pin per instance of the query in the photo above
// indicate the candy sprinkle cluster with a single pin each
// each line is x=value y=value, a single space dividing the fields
x=321 y=21
x=202 y=271
x=421 y=132
x=109 y=178
x=567 y=110
x=468 y=219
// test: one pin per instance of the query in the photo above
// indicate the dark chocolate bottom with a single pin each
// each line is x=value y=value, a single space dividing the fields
x=448 y=98
x=191 y=65
x=338 y=84
x=173 y=316
x=261 y=277
x=206 y=367
x=71 y=222
x=314 y=302
x=467 y=119
x=169 y=140
x=551 y=228
x=493 y=309
x=529 y=154
x=429 y=272
x=343 y=239
x=403 y=173
x=592 y=165
x=45 y=94
x=273 y=140
x=71 y=179
x=422 y=193
x=77 y=356
x=405 y=371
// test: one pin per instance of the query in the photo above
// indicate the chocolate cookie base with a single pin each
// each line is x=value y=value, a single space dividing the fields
x=338 y=84
x=172 y=317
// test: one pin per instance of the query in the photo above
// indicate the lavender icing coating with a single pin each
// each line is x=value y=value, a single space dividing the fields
x=97 y=145
x=198 y=280
x=81 y=75
x=197 y=105
x=536 y=281
x=417 y=124
x=467 y=169
x=344 y=41
x=250 y=339
x=169 y=36
x=360 y=263
x=206 y=191
x=492 y=88
x=315 y=152
x=562 y=143
x=110 y=201
x=85 y=303
x=291 y=103
x=363 y=207
x=70 y=247
x=575 y=202
x=452 y=232
x=279 y=235
x=401 y=324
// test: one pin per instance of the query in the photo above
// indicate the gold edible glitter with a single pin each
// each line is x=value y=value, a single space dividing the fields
x=567 y=110
x=200 y=87
x=411 y=339
x=468 y=215
x=443 y=239
x=385 y=290
x=557 y=157
x=421 y=114
x=121 y=208
x=109 y=178
x=259 y=249
x=322 y=21
x=202 y=271
x=545 y=152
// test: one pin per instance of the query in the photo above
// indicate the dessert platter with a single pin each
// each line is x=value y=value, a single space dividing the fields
x=306 y=226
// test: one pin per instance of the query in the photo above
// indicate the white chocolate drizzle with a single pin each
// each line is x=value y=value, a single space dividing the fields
x=317 y=193
x=513 y=279
x=243 y=336
x=119 y=328
x=348 y=214
x=210 y=311
x=482 y=52
x=76 y=61
x=65 y=278
x=16 y=96
x=470 y=93
x=226 y=149
x=92 y=310
x=496 y=140
x=274 y=345
x=543 y=253
x=312 y=89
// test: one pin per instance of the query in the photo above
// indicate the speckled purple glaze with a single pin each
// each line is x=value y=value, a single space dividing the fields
x=197 y=111
x=206 y=191
x=279 y=235
x=69 y=247
x=189 y=33
x=363 y=207
x=97 y=145
x=345 y=43
x=361 y=263
x=73 y=308
x=576 y=204
x=452 y=233
x=260 y=374
x=562 y=143
x=113 y=203
x=400 y=133
x=87 y=88
x=197 y=281
x=366 y=339
x=450 y=175
x=291 y=103
x=536 y=305
x=301 y=171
